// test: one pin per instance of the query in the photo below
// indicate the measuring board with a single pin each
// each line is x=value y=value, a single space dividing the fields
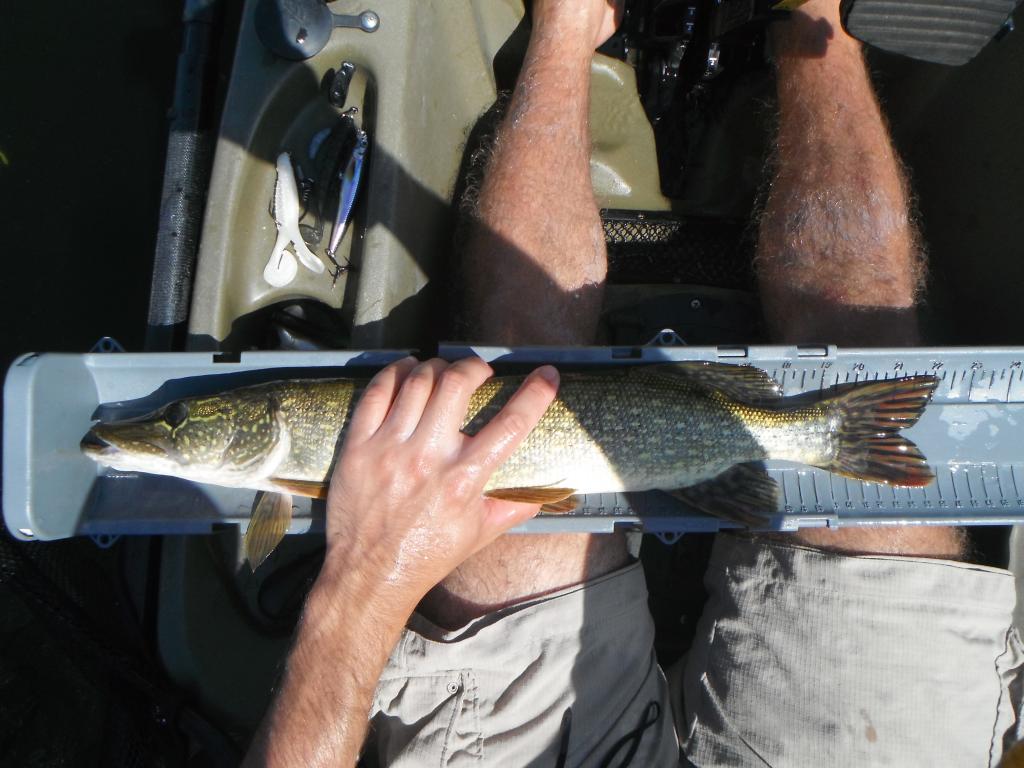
x=972 y=434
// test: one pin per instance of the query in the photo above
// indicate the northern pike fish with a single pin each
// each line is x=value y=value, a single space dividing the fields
x=698 y=430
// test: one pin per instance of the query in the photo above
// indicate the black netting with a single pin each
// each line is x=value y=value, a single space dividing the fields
x=76 y=686
x=657 y=247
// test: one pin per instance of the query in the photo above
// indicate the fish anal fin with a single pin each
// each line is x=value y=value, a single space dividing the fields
x=739 y=382
x=306 y=488
x=743 y=494
x=270 y=520
x=552 y=499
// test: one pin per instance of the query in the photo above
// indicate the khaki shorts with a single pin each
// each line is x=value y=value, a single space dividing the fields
x=802 y=658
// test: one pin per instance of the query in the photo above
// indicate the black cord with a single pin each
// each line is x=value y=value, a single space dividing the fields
x=631 y=741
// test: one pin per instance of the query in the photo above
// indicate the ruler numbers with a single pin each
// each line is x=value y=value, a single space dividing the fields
x=965 y=492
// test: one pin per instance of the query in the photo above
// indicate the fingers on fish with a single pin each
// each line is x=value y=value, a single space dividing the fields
x=868 y=446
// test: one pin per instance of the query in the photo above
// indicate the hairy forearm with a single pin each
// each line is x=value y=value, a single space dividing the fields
x=537 y=232
x=351 y=622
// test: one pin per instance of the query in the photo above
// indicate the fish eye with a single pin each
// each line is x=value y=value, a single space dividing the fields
x=175 y=414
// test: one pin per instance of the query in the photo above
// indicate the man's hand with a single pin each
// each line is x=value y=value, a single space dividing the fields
x=596 y=19
x=406 y=500
x=405 y=507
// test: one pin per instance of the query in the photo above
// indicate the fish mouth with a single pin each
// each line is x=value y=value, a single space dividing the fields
x=114 y=440
x=94 y=445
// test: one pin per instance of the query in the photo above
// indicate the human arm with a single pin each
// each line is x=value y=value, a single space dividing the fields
x=405 y=507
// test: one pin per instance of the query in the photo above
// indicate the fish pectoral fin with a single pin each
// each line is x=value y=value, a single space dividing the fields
x=558 y=500
x=561 y=507
x=743 y=494
x=740 y=382
x=271 y=517
x=306 y=488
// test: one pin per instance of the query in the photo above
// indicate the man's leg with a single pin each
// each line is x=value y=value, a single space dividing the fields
x=569 y=678
x=839 y=258
x=806 y=655
x=534 y=273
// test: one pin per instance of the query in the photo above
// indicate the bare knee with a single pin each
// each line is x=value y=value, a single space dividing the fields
x=943 y=542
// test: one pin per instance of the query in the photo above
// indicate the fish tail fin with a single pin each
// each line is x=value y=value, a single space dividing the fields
x=869 y=446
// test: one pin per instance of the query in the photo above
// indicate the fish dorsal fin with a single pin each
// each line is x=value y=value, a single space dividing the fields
x=552 y=499
x=739 y=382
x=743 y=494
x=307 y=488
x=271 y=517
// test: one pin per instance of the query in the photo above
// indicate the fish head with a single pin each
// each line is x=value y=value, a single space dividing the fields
x=208 y=439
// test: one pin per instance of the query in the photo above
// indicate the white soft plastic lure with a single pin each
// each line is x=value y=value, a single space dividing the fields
x=281 y=267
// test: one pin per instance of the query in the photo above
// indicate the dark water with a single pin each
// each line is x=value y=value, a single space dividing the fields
x=85 y=91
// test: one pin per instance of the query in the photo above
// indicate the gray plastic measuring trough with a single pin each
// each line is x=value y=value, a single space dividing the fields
x=972 y=433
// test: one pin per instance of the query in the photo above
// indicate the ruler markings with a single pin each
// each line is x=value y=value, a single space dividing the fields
x=785 y=485
x=981 y=383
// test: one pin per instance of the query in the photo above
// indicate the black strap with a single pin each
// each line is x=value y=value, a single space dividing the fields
x=563 y=747
x=631 y=741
